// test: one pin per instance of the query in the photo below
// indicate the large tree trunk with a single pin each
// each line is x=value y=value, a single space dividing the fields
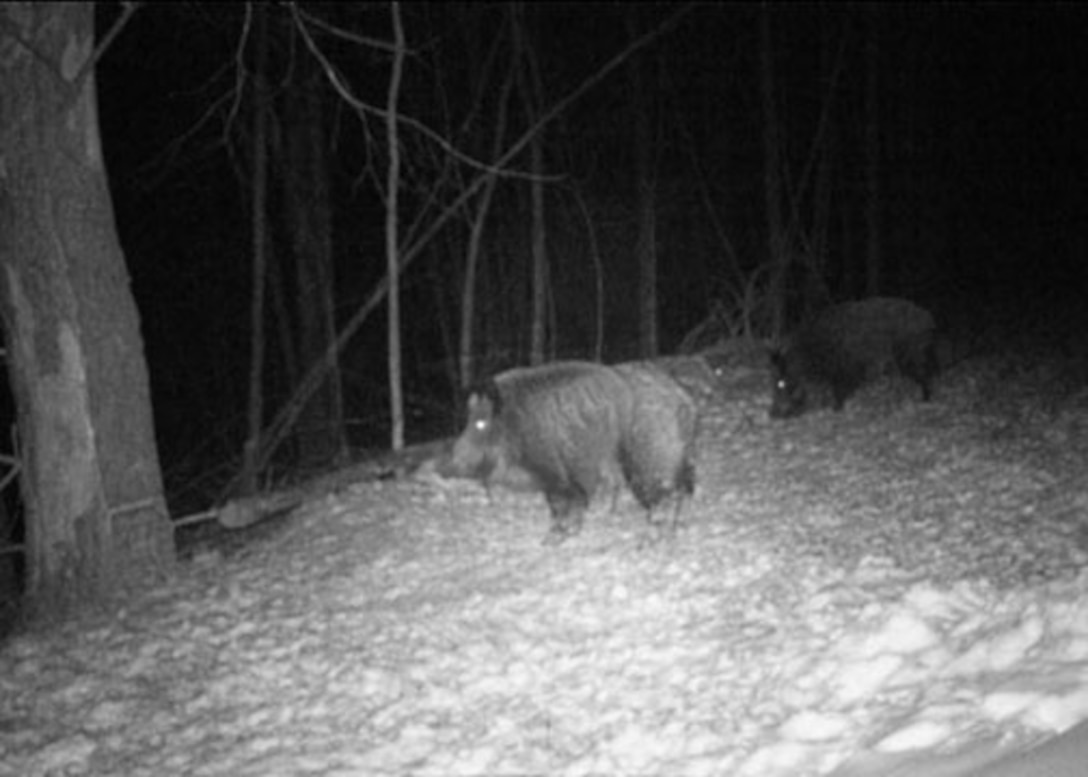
x=91 y=483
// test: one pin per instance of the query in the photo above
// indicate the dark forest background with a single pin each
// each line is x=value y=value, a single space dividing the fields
x=980 y=206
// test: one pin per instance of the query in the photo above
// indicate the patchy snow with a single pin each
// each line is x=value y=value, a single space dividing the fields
x=853 y=594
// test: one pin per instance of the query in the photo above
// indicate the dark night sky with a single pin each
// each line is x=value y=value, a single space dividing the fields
x=1001 y=96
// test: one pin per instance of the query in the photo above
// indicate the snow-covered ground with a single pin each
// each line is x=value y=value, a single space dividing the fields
x=899 y=589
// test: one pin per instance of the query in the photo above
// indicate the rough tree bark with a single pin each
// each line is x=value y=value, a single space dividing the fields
x=91 y=481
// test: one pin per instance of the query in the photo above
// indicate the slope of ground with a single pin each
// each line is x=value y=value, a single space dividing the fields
x=898 y=587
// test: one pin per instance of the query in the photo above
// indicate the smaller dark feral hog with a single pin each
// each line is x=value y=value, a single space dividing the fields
x=571 y=427
x=845 y=346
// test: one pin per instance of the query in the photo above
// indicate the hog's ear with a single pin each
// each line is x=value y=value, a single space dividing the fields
x=485 y=397
x=481 y=412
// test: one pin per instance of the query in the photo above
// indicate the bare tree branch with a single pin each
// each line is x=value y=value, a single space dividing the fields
x=85 y=70
x=287 y=416
x=239 y=71
x=339 y=32
x=344 y=90
x=88 y=67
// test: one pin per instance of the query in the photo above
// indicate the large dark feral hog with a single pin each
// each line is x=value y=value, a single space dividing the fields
x=834 y=354
x=571 y=426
